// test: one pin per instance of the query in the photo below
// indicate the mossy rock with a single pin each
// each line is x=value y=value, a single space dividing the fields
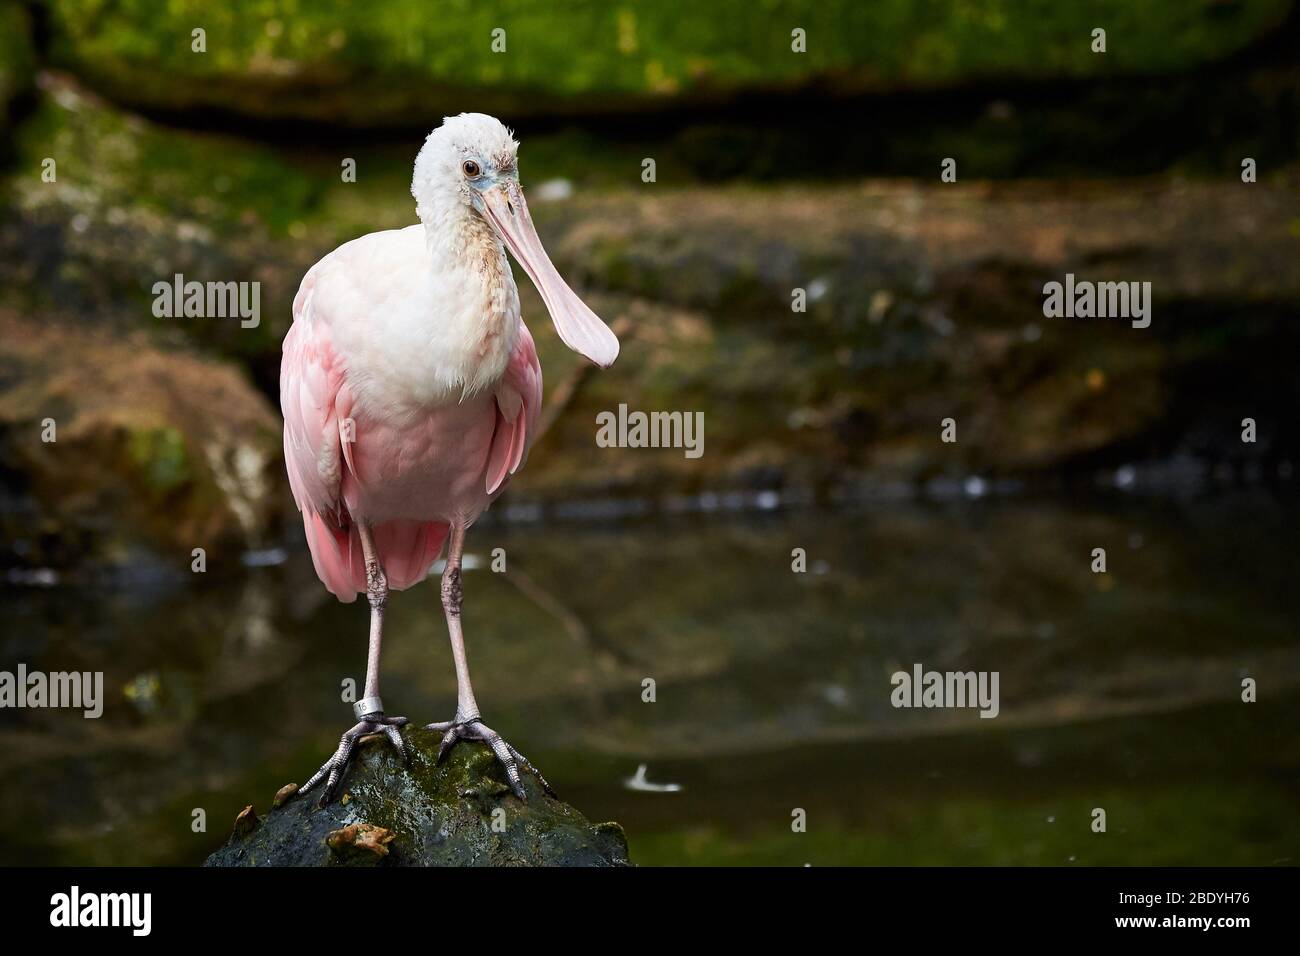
x=400 y=63
x=461 y=813
x=114 y=449
x=921 y=304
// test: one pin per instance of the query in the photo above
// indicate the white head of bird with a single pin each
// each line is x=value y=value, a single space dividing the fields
x=466 y=188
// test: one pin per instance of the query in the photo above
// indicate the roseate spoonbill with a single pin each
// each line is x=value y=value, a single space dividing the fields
x=410 y=389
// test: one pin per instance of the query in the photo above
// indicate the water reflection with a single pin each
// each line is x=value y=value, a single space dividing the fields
x=771 y=688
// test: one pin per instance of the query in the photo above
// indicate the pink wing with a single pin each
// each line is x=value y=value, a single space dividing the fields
x=310 y=380
x=317 y=405
x=519 y=403
x=314 y=398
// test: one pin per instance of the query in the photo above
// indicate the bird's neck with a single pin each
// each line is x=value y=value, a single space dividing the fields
x=455 y=233
x=479 y=301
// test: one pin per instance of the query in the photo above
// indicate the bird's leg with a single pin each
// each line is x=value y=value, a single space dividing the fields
x=467 y=725
x=370 y=709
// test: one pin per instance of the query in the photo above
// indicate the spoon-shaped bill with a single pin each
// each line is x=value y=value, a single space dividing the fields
x=579 y=327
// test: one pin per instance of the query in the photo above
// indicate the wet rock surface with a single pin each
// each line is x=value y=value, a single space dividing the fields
x=461 y=813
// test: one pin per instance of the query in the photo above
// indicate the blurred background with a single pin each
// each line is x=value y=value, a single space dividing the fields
x=775 y=170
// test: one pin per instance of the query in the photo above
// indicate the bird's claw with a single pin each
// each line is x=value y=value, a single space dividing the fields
x=509 y=758
x=332 y=770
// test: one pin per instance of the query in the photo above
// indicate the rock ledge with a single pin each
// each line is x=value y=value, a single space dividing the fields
x=459 y=814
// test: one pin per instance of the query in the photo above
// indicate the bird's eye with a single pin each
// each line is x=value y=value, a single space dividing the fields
x=471 y=168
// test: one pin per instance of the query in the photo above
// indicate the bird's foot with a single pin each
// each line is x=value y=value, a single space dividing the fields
x=510 y=758
x=371 y=720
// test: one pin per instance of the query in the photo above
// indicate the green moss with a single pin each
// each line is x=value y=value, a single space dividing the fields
x=368 y=63
x=106 y=158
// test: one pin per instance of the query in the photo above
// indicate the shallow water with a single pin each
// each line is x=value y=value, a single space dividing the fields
x=1119 y=691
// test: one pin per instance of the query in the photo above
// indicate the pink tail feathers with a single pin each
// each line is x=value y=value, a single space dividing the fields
x=407 y=549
